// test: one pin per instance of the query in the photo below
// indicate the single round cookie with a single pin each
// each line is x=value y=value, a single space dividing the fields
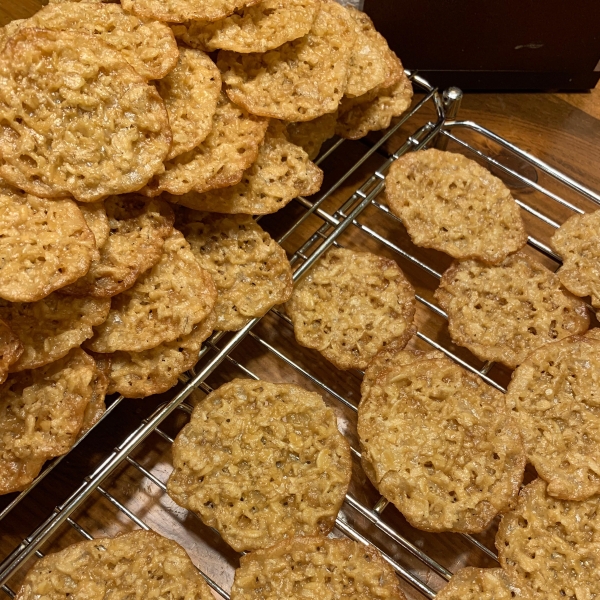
x=261 y=462
x=440 y=443
x=551 y=545
x=299 y=81
x=258 y=28
x=177 y=11
x=577 y=242
x=154 y=371
x=315 y=567
x=136 y=229
x=82 y=121
x=311 y=135
x=50 y=328
x=165 y=303
x=555 y=397
x=41 y=414
x=483 y=584
x=251 y=271
x=10 y=349
x=504 y=312
x=220 y=160
x=149 y=47
x=350 y=305
x=45 y=245
x=139 y=564
x=282 y=171
x=453 y=204
x=190 y=92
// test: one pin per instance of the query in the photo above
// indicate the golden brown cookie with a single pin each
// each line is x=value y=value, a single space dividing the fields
x=299 y=81
x=551 y=545
x=554 y=395
x=49 y=328
x=504 y=312
x=190 y=92
x=440 y=443
x=95 y=217
x=220 y=160
x=41 y=414
x=453 y=204
x=311 y=135
x=82 y=122
x=483 y=584
x=261 y=462
x=251 y=271
x=136 y=229
x=96 y=406
x=281 y=172
x=10 y=349
x=165 y=303
x=137 y=564
x=177 y=11
x=350 y=305
x=45 y=245
x=315 y=567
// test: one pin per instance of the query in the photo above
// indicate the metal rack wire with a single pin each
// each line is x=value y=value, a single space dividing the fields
x=439 y=131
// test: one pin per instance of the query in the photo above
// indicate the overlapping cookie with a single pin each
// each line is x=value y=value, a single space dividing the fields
x=440 y=443
x=311 y=135
x=483 y=584
x=177 y=11
x=261 y=462
x=504 y=312
x=10 y=349
x=96 y=406
x=350 y=305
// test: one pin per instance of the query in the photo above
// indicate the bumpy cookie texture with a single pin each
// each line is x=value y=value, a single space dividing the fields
x=220 y=160
x=452 y=204
x=177 y=11
x=149 y=47
x=10 y=349
x=251 y=271
x=555 y=397
x=552 y=545
x=351 y=305
x=96 y=406
x=165 y=303
x=154 y=371
x=281 y=172
x=41 y=414
x=504 y=312
x=264 y=26
x=483 y=584
x=261 y=462
x=45 y=245
x=300 y=80
x=49 y=328
x=190 y=92
x=311 y=135
x=82 y=122
x=95 y=217
x=136 y=229
x=139 y=564
x=440 y=444
x=313 y=568
x=578 y=243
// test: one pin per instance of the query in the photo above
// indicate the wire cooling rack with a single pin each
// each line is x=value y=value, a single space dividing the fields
x=127 y=490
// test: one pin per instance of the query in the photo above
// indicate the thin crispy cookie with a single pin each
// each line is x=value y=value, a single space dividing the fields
x=79 y=119
x=261 y=462
x=551 y=545
x=137 y=564
x=554 y=396
x=177 y=11
x=350 y=305
x=311 y=135
x=10 y=349
x=251 y=271
x=315 y=567
x=45 y=245
x=41 y=413
x=96 y=406
x=453 y=204
x=483 y=584
x=97 y=221
x=165 y=303
x=504 y=312
x=149 y=47
x=440 y=443
x=259 y=28
x=281 y=172
x=300 y=80
x=154 y=371
x=137 y=229
x=190 y=92
x=220 y=160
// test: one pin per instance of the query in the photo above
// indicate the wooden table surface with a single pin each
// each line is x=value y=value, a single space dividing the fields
x=561 y=129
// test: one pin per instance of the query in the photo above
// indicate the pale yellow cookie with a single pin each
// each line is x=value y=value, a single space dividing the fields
x=483 y=584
